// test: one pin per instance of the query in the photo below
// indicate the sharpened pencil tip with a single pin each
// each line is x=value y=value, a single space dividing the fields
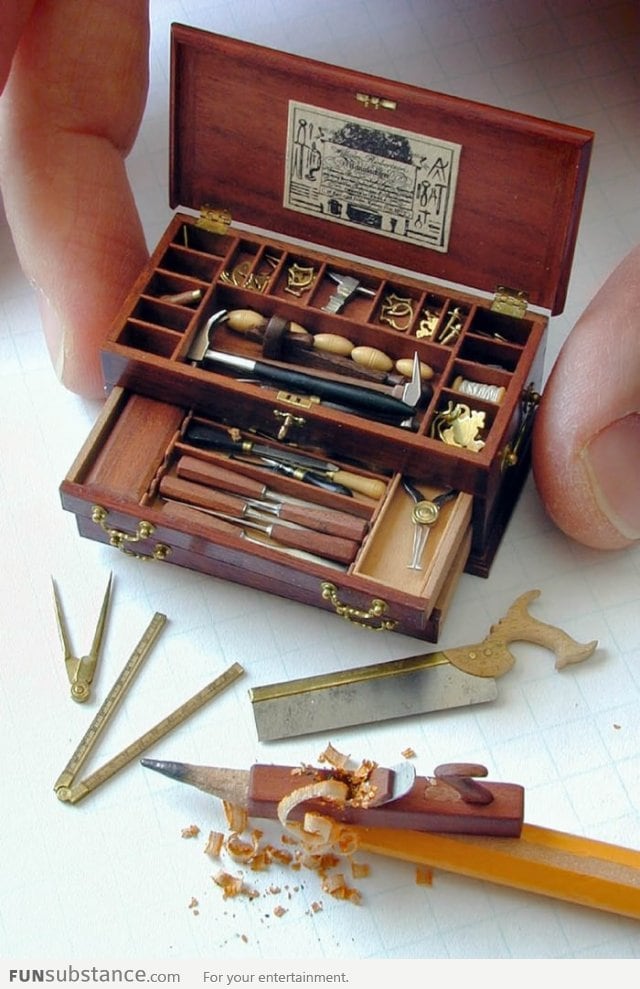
x=174 y=770
x=231 y=785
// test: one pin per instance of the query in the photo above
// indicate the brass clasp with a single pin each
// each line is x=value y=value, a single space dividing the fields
x=511 y=452
x=376 y=102
x=288 y=419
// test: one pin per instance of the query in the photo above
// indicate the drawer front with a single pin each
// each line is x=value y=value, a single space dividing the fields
x=366 y=606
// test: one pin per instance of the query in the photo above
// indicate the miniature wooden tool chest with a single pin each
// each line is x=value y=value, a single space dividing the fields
x=348 y=433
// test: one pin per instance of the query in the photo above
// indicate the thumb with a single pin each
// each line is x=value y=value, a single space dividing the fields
x=586 y=442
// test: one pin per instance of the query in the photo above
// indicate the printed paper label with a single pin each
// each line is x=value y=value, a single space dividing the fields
x=363 y=174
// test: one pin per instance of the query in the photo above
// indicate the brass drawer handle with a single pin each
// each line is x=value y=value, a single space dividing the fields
x=355 y=615
x=120 y=540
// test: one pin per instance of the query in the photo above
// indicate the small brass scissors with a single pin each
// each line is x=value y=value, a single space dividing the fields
x=80 y=670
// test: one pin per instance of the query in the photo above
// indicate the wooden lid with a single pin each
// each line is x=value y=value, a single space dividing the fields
x=516 y=201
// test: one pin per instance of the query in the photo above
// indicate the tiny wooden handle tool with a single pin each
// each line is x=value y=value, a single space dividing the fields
x=329 y=520
x=369 y=486
x=331 y=547
x=492 y=658
x=418 y=810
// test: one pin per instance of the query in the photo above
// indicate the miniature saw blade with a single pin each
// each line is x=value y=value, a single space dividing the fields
x=365 y=695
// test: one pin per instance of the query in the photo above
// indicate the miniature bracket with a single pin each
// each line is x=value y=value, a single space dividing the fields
x=492 y=658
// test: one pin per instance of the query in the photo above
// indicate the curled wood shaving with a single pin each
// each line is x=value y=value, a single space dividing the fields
x=237 y=818
x=333 y=757
x=337 y=887
x=239 y=850
x=214 y=844
x=192 y=831
x=323 y=789
x=233 y=885
x=360 y=870
x=320 y=826
x=361 y=788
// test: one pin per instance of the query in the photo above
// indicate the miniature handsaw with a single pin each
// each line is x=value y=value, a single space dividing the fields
x=421 y=684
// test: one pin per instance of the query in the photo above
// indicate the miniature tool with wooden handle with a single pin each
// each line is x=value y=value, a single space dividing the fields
x=403 y=687
x=313 y=516
x=253 y=514
x=429 y=804
x=205 y=436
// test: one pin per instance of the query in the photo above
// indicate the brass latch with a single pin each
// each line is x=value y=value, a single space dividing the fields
x=376 y=102
x=510 y=301
x=215 y=219
x=511 y=452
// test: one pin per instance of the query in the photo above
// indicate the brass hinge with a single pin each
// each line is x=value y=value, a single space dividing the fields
x=376 y=102
x=215 y=219
x=510 y=301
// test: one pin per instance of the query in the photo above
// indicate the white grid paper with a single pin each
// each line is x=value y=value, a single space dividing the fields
x=112 y=876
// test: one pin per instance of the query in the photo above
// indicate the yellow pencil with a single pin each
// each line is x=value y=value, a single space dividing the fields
x=552 y=863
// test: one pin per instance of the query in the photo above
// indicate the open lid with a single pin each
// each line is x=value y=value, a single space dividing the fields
x=451 y=189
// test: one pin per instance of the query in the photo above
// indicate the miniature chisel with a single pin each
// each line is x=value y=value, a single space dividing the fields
x=208 y=437
x=427 y=805
x=240 y=512
x=312 y=516
x=417 y=685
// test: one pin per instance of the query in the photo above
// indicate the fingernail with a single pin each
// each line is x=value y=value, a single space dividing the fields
x=53 y=333
x=612 y=459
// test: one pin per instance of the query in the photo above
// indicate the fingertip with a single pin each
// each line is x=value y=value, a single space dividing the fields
x=588 y=492
x=586 y=440
x=75 y=360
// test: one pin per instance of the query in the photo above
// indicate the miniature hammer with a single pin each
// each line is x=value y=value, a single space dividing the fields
x=353 y=397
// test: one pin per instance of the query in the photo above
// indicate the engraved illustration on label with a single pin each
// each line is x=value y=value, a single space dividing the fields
x=363 y=174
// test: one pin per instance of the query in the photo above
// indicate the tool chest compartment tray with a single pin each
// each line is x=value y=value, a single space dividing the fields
x=392 y=358
x=131 y=486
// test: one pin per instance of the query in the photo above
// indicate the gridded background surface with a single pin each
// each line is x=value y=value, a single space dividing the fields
x=112 y=877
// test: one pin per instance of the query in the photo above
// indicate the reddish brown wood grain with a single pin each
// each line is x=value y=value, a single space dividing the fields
x=416 y=811
x=521 y=180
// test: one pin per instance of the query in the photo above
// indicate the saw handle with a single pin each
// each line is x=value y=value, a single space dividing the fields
x=492 y=658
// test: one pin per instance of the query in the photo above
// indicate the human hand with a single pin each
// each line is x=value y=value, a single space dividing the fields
x=68 y=117
x=586 y=441
x=69 y=113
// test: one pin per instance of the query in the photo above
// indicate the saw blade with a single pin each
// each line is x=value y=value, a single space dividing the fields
x=365 y=695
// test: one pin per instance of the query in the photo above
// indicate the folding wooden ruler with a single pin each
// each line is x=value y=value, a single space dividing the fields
x=71 y=791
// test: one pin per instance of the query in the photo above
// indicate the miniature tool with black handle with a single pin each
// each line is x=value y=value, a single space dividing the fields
x=353 y=397
x=208 y=437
